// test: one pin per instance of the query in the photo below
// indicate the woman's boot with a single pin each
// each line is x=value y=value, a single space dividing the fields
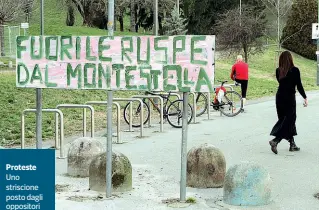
x=273 y=143
x=293 y=147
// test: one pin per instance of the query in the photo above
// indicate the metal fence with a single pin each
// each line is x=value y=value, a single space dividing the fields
x=8 y=36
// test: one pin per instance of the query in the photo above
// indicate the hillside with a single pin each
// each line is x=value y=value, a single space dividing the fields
x=55 y=17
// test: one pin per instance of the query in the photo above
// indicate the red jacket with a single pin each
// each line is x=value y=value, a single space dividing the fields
x=240 y=71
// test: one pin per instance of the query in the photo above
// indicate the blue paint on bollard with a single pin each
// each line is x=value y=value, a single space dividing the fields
x=247 y=184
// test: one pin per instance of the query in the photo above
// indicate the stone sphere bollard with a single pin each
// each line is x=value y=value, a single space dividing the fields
x=80 y=155
x=206 y=167
x=247 y=184
x=121 y=173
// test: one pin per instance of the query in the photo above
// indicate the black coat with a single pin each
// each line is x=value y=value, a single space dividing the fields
x=286 y=104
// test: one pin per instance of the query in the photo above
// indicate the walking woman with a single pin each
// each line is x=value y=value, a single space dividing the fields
x=288 y=77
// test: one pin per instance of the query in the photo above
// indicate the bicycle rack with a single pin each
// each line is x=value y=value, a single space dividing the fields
x=194 y=106
x=118 y=111
x=161 y=109
x=208 y=107
x=131 y=111
x=57 y=145
x=84 y=115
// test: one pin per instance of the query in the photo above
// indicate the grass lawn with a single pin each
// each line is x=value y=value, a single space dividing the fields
x=14 y=100
x=55 y=18
x=262 y=81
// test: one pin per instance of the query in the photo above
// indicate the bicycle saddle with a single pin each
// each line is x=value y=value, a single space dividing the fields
x=222 y=81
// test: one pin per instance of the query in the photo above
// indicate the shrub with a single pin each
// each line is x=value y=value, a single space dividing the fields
x=297 y=32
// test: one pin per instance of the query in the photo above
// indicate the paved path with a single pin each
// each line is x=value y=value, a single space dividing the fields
x=156 y=162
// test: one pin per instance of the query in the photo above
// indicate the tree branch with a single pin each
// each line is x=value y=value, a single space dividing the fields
x=295 y=32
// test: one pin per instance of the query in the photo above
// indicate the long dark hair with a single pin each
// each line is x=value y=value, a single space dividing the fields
x=285 y=63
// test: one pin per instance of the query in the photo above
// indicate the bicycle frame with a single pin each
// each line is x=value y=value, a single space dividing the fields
x=164 y=105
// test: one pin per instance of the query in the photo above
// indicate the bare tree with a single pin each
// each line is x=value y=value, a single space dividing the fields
x=237 y=35
x=143 y=11
x=10 y=10
x=120 y=9
x=279 y=9
x=70 y=16
x=93 y=12
x=27 y=9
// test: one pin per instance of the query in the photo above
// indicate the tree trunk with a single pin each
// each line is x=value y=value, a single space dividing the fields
x=121 y=23
x=87 y=21
x=137 y=10
x=2 y=47
x=245 y=48
x=87 y=16
x=115 y=21
x=70 y=19
x=133 y=16
x=160 y=26
x=27 y=17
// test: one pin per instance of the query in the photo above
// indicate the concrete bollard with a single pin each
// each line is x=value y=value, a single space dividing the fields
x=206 y=167
x=247 y=184
x=121 y=173
x=80 y=155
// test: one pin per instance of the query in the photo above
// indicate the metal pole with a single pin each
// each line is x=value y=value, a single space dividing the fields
x=84 y=122
x=131 y=117
x=10 y=40
x=318 y=50
x=118 y=122
x=109 y=112
x=149 y=105
x=42 y=17
x=39 y=93
x=177 y=4
x=278 y=25
x=239 y=12
x=208 y=107
x=194 y=106
x=39 y=118
x=184 y=148
x=109 y=145
x=57 y=131
x=156 y=17
x=22 y=131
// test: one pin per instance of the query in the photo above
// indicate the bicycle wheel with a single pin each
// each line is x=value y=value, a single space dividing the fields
x=136 y=108
x=175 y=114
x=232 y=104
x=201 y=104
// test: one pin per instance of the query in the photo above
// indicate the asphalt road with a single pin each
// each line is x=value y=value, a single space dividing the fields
x=156 y=162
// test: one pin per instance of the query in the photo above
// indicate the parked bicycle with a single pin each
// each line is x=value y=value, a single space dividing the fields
x=229 y=103
x=172 y=111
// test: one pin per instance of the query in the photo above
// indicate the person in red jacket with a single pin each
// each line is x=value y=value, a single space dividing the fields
x=239 y=73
